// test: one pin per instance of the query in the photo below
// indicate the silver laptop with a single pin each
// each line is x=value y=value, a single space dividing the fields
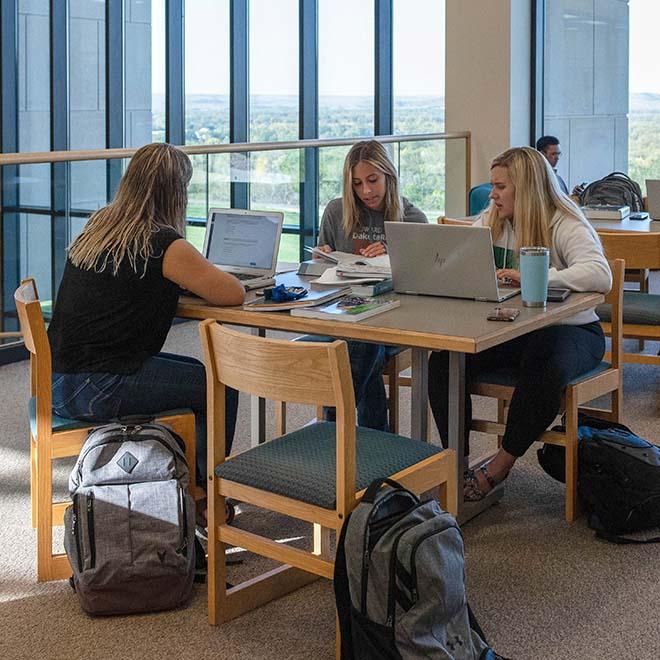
x=653 y=198
x=244 y=243
x=444 y=260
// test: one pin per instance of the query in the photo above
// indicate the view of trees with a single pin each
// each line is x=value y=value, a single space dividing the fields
x=274 y=176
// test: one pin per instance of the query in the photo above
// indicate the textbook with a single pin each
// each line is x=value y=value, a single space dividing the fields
x=346 y=258
x=350 y=309
x=331 y=278
x=606 y=212
x=375 y=289
x=311 y=298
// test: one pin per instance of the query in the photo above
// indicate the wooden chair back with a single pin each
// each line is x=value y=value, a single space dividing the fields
x=281 y=370
x=443 y=220
x=615 y=299
x=28 y=307
x=638 y=250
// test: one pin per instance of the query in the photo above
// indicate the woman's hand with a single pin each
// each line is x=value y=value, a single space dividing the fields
x=323 y=248
x=508 y=276
x=374 y=250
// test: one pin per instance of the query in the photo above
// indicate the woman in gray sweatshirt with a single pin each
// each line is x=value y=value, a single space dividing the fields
x=355 y=223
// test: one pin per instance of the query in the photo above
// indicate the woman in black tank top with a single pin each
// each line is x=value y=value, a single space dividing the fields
x=118 y=297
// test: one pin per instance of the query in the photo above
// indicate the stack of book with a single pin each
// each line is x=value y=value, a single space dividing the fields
x=606 y=212
x=353 y=270
x=350 y=309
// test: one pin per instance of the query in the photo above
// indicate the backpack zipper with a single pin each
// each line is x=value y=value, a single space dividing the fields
x=366 y=555
x=413 y=557
x=391 y=600
x=183 y=544
x=76 y=531
x=90 y=530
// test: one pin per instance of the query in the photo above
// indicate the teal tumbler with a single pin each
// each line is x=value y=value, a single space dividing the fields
x=534 y=266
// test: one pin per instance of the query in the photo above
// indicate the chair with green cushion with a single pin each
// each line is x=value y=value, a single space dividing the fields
x=53 y=437
x=605 y=379
x=315 y=474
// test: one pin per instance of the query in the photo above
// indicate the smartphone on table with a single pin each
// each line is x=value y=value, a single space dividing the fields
x=557 y=295
x=503 y=314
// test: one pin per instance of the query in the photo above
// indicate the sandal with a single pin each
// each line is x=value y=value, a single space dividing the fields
x=472 y=491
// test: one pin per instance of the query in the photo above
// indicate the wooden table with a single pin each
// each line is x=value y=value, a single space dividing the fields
x=422 y=323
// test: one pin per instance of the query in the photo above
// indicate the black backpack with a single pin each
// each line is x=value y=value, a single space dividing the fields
x=615 y=189
x=619 y=478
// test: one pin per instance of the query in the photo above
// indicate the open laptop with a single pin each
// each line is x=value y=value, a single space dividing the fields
x=444 y=260
x=653 y=198
x=245 y=244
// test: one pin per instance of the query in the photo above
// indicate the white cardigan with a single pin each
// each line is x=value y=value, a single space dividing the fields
x=577 y=261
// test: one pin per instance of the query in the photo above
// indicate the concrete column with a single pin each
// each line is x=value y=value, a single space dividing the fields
x=487 y=89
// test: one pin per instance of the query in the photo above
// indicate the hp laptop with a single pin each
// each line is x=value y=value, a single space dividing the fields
x=653 y=198
x=444 y=260
x=244 y=243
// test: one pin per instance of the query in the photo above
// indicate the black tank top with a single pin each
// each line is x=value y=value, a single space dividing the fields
x=113 y=323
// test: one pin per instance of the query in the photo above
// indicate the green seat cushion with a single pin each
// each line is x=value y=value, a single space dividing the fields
x=64 y=424
x=508 y=376
x=638 y=309
x=58 y=423
x=301 y=465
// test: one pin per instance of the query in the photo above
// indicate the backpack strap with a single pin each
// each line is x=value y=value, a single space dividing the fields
x=623 y=540
x=343 y=595
x=370 y=496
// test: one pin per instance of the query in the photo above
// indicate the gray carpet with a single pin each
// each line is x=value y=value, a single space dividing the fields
x=540 y=589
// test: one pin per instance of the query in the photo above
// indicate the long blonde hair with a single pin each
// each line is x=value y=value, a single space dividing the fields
x=537 y=198
x=374 y=153
x=151 y=194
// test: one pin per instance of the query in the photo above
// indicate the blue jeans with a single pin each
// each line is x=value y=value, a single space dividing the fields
x=367 y=365
x=163 y=382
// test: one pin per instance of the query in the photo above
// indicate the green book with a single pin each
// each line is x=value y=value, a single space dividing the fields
x=350 y=308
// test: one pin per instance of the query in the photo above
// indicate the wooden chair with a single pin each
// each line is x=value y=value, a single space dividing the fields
x=315 y=474
x=395 y=364
x=604 y=379
x=641 y=310
x=53 y=437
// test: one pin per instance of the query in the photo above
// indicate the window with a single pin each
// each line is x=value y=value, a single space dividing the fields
x=644 y=116
x=346 y=68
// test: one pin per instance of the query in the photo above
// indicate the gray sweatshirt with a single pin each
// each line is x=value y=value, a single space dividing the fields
x=371 y=231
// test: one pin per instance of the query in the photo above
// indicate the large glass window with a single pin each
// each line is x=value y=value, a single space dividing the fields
x=346 y=68
x=34 y=98
x=144 y=71
x=585 y=87
x=644 y=117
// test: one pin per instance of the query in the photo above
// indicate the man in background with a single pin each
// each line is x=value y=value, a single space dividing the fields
x=548 y=145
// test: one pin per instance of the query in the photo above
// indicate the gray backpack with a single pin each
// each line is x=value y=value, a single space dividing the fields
x=400 y=582
x=615 y=189
x=130 y=531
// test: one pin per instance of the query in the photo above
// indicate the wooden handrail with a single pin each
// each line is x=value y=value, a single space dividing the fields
x=30 y=158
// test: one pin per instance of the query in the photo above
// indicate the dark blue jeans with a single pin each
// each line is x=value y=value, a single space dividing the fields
x=163 y=382
x=367 y=365
x=546 y=360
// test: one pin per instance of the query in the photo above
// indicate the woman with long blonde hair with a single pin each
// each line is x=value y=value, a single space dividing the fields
x=355 y=223
x=118 y=297
x=528 y=208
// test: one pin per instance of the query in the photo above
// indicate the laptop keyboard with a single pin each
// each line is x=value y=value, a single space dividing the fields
x=245 y=276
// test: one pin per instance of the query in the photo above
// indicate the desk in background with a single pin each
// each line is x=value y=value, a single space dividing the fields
x=422 y=323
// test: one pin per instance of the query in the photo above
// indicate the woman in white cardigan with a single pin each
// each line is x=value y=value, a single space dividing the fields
x=528 y=209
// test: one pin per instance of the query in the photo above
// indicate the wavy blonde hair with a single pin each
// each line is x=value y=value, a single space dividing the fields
x=374 y=153
x=153 y=193
x=537 y=198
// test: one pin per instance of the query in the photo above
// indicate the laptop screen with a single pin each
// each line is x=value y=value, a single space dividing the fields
x=242 y=239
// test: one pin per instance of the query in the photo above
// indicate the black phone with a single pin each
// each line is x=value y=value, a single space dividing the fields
x=557 y=295
x=503 y=314
x=639 y=215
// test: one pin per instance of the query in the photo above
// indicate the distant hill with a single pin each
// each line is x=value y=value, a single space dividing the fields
x=644 y=103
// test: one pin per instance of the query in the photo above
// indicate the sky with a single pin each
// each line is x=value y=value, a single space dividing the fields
x=346 y=46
